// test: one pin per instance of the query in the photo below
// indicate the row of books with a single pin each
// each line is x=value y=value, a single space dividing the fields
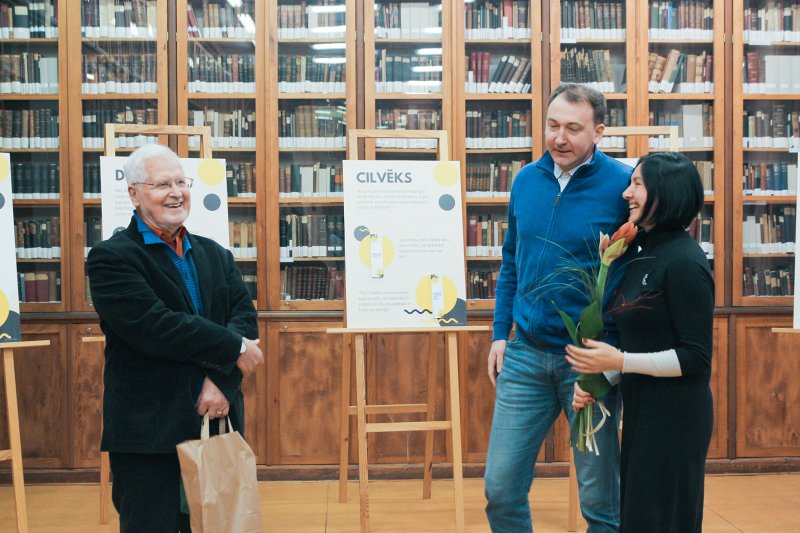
x=616 y=117
x=769 y=179
x=34 y=181
x=96 y=114
x=312 y=126
x=585 y=19
x=409 y=119
x=251 y=282
x=28 y=128
x=679 y=72
x=702 y=231
x=492 y=179
x=28 y=73
x=687 y=19
x=222 y=73
x=242 y=238
x=310 y=181
x=126 y=73
x=325 y=19
x=408 y=20
x=485 y=235
x=706 y=171
x=771 y=74
x=119 y=19
x=775 y=281
x=772 y=21
x=592 y=67
x=93 y=232
x=309 y=235
x=38 y=238
x=496 y=19
x=509 y=74
x=210 y=19
x=617 y=142
x=769 y=229
x=231 y=127
x=695 y=125
x=407 y=72
x=37 y=287
x=777 y=127
x=481 y=284
x=299 y=73
x=498 y=129
x=241 y=179
x=91 y=179
x=32 y=20
x=312 y=283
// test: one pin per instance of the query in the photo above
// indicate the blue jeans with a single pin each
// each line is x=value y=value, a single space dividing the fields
x=531 y=390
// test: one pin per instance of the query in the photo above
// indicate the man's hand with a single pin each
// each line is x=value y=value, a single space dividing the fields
x=250 y=358
x=496 y=353
x=212 y=401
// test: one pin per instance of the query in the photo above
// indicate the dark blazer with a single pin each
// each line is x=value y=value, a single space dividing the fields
x=158 y=350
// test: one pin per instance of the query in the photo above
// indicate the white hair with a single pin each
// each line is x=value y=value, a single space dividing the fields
x=134 y=167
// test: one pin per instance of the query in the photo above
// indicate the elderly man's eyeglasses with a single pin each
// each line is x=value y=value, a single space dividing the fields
x=165 y=185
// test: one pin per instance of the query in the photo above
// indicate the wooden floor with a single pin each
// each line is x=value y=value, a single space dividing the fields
x=763 y=503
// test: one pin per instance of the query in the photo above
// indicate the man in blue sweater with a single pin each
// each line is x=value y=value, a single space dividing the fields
x=558 y=206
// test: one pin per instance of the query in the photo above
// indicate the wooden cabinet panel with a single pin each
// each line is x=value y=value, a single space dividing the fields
x=304 y=369
x=41 y=374
x=477 y=394
x=397 y=372
x=86 y=375
x=254 y=388
x=767 y=395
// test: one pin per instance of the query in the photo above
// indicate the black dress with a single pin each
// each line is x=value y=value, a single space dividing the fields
x=666 y=301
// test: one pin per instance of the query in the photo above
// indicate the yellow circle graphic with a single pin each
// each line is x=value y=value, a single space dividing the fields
x=211 y=172
x=5 y=168
x=425 y=301
x=364 y=251
x=4 y=308
x=445 y=173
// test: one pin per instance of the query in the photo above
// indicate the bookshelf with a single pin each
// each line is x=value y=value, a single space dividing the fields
x=766 y=138
x=221 y=84
x=312 y=104
x=497 y=110
x=685 y=47
x=122 y=50
x=33 y=109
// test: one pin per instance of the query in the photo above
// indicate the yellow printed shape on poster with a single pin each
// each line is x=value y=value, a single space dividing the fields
x=211 y=172
x=364 y=252
x=424 y=299
x=5 y=168
x=4 y=307
x=445 y=173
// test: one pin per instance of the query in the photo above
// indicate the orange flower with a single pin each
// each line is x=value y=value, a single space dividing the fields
x=626 y=231
x=619 y=243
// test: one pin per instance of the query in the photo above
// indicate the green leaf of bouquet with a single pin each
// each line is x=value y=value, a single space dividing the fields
x=595 y=384
x=591 y=324
x=570 y=325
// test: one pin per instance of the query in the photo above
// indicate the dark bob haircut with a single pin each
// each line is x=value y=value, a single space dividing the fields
x=674 y=190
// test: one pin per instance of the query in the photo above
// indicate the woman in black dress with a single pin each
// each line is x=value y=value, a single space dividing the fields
x=664 y=312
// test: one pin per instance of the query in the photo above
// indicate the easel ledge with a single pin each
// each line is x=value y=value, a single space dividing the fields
x=408 y=330
x=23 y=344
x=785 y=330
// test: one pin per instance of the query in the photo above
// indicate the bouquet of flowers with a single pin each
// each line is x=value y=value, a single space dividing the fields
x=590 y=326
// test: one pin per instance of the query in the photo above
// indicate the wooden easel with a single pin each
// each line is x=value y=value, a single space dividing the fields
x=361 y=410
x=110 y=150
x=14 y=453
x=573 y=504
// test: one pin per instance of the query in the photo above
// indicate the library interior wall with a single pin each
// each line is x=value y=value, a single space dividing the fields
x=292 y=401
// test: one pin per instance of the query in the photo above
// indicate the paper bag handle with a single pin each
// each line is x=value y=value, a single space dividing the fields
x=205 y=431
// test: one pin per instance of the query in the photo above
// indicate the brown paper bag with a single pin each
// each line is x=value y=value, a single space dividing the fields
x=219 y=477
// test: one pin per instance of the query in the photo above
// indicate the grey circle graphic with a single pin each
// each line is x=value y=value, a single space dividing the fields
x=360 y=232
x=447 y=202
x=212 y=202
x=2 y=201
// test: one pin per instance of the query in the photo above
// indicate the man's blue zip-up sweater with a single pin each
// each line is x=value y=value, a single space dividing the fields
x=547 y=230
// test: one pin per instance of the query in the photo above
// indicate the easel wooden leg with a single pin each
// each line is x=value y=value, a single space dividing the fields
x=363 y=459
x=427 y=466
x=455 y=418
x=344 y=422
x=105 y=487
x=572 y=504
x=18 y=480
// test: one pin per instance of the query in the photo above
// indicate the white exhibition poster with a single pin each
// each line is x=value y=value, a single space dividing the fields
x=404 y=244
x=209 y=211
x=9 y=296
